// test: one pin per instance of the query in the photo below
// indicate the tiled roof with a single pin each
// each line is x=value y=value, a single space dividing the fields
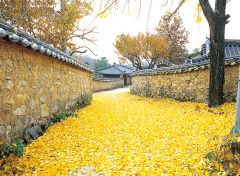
x=164 y=62
x=114 y=70
x=125 y=69
x=186 y=67
x=10 y=33
x=197 y=59
x=232 y=48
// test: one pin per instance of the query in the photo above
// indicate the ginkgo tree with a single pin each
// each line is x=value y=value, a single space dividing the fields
x=143 y=49
x=46 y=21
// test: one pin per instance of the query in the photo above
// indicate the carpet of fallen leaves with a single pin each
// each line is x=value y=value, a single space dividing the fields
x=123 y=134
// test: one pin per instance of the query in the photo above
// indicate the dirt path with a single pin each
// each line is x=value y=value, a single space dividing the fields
x=119 y=90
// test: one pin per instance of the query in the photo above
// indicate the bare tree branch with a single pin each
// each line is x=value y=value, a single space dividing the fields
x=83 y=52
x=78 y=52
x=107 y=7
x=179 y=5
x=149 y=11
x=88 y=49
x=140 y=6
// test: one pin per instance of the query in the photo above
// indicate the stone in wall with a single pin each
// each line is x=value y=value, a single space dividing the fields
x=36 y=86
x=44 y=110
x=189 y=86
x=99 y=85
x=20 y=111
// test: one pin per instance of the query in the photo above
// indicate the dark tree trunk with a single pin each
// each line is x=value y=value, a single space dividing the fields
x=217 y=21
x=216 y=82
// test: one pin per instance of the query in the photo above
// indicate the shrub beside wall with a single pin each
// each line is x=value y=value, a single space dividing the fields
x=106 y=84
x=35 y=88
x=188 y=86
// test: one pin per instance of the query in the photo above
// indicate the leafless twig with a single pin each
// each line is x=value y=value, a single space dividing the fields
x=179 y=5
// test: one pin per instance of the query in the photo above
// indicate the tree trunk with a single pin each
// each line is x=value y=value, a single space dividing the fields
x=217 y=21
x=217 y=31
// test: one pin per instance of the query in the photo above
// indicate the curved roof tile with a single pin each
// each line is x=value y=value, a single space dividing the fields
x=9 y=32
x=186 y=67
x=114 y=70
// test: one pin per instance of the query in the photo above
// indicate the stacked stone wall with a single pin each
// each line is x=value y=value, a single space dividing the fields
x=188 y=86
x=129 y=80
x=101 y=84
x=36 y=87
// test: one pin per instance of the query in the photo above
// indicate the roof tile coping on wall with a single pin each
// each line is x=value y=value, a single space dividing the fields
x=11 y=33
x=106 y=79
x=184 y=67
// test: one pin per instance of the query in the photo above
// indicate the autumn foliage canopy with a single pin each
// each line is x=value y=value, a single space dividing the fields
x=54 y=22
x=143 y=49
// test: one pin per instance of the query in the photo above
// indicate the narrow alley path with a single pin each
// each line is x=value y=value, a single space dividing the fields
x=119 y=90
x=123 y=134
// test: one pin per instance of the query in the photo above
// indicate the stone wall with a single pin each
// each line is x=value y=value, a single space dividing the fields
x=36 y=87
x=106 y=84
x=129 y=80
x=188 y=86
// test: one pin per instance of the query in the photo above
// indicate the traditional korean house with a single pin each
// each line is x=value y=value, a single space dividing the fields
x=232 y=49
x=116 y=71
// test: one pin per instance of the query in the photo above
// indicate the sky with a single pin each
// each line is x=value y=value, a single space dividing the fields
x=118 y=22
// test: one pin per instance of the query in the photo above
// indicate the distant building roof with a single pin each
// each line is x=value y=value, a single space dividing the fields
x=197 y=59
x=114 y=70
x=18 y=36
x=164 y=62
x=232 y=56
x=125 y=69
x=232 y=48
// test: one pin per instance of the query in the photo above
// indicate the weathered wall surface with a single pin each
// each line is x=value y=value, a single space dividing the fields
x=106 y=84
x=190 y=86
x=35 y=85
x=129 y=80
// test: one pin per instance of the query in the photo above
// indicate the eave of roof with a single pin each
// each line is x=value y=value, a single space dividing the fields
x=103 y=68
x=10 y=33
x=227 y=41
x=232 y=41
x=125 y=69
x=111 y=70
x=184 y=68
